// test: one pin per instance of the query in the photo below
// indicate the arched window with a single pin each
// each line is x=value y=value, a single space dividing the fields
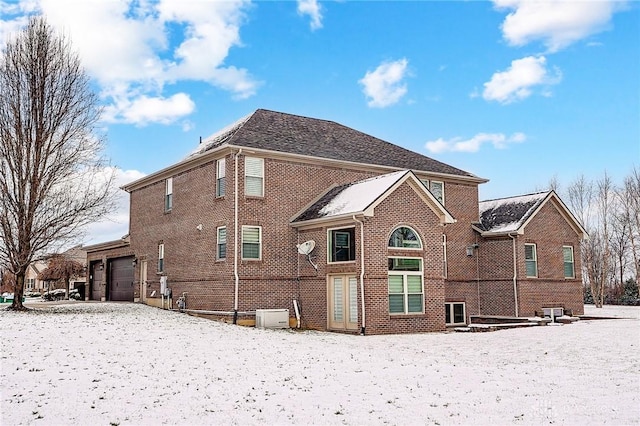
x=404 y=237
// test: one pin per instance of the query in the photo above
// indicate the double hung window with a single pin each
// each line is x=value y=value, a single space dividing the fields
x=254 y=176
x=531 y=260
x=252 y=242
x=168 y=194
x=220 y=177
x=222 y=243
x=406 y=289
x=569 y=268
x=161 y=257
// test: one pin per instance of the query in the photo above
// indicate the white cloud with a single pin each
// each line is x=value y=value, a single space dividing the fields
x=498 y=140
x=517 y=82
x=311 y=8
x=385 y=85
x=556 y=23
x=143 y=109
x=134 y=48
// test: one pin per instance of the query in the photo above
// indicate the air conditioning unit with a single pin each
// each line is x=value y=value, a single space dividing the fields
x=272 y=318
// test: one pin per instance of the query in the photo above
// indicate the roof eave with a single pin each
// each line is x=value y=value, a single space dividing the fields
x=182 y=166
x=327 y=219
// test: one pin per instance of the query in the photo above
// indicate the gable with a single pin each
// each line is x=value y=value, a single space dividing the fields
x=511 y=215
x=360 y=199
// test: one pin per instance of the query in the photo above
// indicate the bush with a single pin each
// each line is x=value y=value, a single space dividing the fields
x=630 y=294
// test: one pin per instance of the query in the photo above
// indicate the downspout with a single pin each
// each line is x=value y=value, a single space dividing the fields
x=515 y=273
x=235 y=236
x=364 y=318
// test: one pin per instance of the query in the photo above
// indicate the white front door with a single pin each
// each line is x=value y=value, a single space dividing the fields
x=343 y=302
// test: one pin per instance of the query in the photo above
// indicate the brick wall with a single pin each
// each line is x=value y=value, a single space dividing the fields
x=104 y=256
x=549 y=230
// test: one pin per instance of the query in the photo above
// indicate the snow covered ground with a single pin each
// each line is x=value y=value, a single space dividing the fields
x=112 y=363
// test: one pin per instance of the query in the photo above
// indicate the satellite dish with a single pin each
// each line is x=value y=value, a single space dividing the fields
x=306 y=247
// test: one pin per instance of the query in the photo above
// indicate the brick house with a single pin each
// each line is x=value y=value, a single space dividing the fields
x=397 y=238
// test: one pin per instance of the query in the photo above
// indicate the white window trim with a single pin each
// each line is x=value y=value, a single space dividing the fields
x=246 y=174
x=535 y=259
x=449 y=306
x=329 y=241
x=168 y=194
x=573 y=263
x=442 y=183
x=428 y=182
x=161 y=257
x=218 y=257
x=406 y=248
x=405 y=292
x=259 y=243
x=221 y=174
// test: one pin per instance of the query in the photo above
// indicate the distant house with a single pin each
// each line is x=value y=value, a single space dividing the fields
x=34 y=284
x=364 y=236
x=31 y=282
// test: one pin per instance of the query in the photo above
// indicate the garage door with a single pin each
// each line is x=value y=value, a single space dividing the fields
x=121 y=279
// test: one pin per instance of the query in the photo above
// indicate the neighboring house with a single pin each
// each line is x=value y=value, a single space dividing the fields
x=31 y=282
x=398 y=244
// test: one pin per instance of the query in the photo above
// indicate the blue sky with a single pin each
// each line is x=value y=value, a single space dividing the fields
x=514 y=91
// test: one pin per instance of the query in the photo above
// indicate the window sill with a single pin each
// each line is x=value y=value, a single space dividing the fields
x=407 y=316
x=346 y=262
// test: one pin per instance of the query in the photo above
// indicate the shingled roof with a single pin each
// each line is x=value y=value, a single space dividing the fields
x=281 y=132
x=510 y=215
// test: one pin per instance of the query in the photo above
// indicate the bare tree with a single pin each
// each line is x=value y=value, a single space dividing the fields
x=630 y=210
x=54 y=180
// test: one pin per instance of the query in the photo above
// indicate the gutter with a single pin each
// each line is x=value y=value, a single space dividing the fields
x=235 y=236
x=515 y=272
x=364 y=318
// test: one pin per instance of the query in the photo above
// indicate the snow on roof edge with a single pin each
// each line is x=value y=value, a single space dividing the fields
x=358 y=196
x=220 y=135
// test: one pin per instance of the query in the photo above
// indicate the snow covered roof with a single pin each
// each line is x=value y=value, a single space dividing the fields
x=359 y=198
x=506 y=215
x=509 y=215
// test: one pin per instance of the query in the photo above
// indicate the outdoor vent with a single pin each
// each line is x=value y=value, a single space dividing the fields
x=272 y=318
